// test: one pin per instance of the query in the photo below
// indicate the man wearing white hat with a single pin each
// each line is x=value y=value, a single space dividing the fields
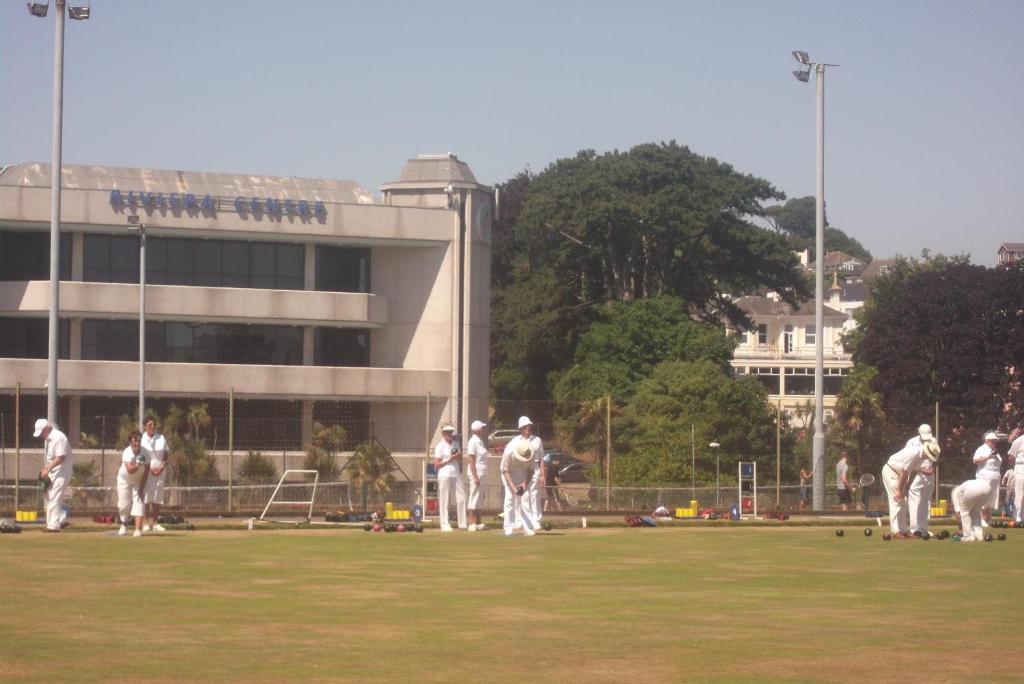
x=518 y=463
x=476 y=451
x=1016 y=453
x=919 y=495
x=56 y=471
x=975 y=494
x=537 y=449
x=448 y=465
x=896 y=475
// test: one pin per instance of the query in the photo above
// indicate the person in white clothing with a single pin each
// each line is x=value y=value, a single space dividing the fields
x=476 y=453
x=922 y=486
x=517 y=467
x=448 y=464
x=1016 y=454
x=1009 y=483
x=536 y=447
x=131 y=479
x=56 y=471
x=154 y=446
x=973 y=495
x=896 y=475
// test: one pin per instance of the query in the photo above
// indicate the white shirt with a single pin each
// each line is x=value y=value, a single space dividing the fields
x=987 y=461
x=478 y=452
x=128 y=456
x=1017 y=451
x=57 y=446
x=907 y=458
x=1009 y=479
x=443 y=452
x=155 y=448
x=842 y=468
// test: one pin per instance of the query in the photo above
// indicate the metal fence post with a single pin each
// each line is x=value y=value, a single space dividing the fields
x=231 y=446
x=608 y=453
x=17 y=447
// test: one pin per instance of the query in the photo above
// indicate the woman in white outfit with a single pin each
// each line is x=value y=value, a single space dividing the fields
x=476 y=452
x=975 y=494
x=130 y=482
x=517 y=466
x=154 y=446
x=1016 y=454
x=448 y=465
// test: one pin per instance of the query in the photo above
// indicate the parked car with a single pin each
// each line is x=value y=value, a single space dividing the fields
x=573 y=470
x=499 y=439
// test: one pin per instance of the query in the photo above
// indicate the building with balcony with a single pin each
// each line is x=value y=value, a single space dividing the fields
x=1010 y=252
x=304 y=298
x=779 y=351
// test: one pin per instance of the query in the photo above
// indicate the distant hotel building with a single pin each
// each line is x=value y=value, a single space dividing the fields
x=305 y=297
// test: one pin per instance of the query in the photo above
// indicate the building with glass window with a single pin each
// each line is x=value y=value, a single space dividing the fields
x=302 y=297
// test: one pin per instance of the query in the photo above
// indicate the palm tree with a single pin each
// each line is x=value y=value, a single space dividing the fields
x=198 y=417
x=859 y=409
x=372 y=468
x=321 y=455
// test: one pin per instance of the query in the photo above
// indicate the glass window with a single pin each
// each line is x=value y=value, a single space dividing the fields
x=341 y=347
x=264 y=265
x=235 y=266
x=28 y=338
x=762 y=334
x=110 y=340
x=156 y=262
x=26 y=256
x=291 y=267
x=809 y=334
x=342 y=269
x=180 y=262
x=110 y=258
x=208 y=263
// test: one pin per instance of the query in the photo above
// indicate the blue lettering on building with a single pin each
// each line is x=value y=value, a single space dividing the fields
x=242 y=205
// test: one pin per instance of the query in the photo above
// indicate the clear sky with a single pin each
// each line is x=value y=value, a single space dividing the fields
x=924 y=116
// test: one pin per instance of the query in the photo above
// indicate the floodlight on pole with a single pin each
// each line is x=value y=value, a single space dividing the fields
x=38 y=8
x=818 y=444
x=79 y=11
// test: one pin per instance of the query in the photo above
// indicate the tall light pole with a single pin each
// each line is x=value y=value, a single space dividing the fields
x=718 y=472
x=135 y=224
x=39 y=8
x=818 y=445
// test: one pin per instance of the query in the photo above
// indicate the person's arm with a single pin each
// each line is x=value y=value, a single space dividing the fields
x=901 y=486
x=45 y=472
x=474 y=477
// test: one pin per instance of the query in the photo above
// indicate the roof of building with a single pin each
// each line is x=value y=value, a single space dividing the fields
x=854 y=292
x=435 y=168
x=1012 y=246
x=836 y=258
x=877 y=267
x=756 y=305
x=76 y=177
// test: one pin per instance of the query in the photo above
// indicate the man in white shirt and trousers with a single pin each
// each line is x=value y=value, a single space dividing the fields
x=974 y=495
x=536 y=447
x=57 y=464
x=919 y=496
x=518 y=463
x=896 y=475
x=448 y=465
x=1016 y=454
x=476 y=451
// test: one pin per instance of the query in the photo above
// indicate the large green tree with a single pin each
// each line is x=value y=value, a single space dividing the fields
x=797 y=218
x=945 y=331
x=622 y=226
x=653 y=436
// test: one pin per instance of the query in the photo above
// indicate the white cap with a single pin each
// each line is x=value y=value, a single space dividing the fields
x=447 y=428
x=925 y=431
x=524 y=421
x=988 y=435
x=476 y=425
x=40 y=426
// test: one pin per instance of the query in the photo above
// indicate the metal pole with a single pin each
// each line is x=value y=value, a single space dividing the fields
x=142 y=326
x=819 y=300
x=718 y=478
x=778 y=452
x=231 y=446
x=55 y=183
x=935 y=489
x=17 y=445
x=693 y=461
x=607 y=451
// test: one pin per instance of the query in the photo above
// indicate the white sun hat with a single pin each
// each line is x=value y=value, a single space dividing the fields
x=523 y=451
x=932 y=450
x=447 y=428
x=40 y=426
x=524 y=421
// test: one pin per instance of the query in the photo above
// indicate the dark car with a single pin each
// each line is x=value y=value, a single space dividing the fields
x=572 y=470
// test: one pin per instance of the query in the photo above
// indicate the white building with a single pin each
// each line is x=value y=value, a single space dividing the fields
x=304 y=297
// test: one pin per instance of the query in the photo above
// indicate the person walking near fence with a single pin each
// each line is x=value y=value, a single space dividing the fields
x=517 y=468
x=974 y=495
x=131 y=481
x=896 y=475
x=476 y=452
x=154 y=447
x=844 y=489
x=1016 y=453
x=56 y=471
x=805 y=488
x=448 y=464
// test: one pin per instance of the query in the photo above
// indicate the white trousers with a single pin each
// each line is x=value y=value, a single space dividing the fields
x=128 y=500
x=444 y=500
x=477 y=490
x=899 y=513
x=1018 y=489
x=534 y=493
x=154 y=493
x=919 y=500
x=53 y=497
x=972 y=496
x=518 y=509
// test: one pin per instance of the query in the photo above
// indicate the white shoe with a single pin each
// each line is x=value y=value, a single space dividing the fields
x=159 y=528
x=123 y=531
x=446 y=529
x=136 y=533
x=481 y=526
x=509 y=532
x=529 y=533
x=984 y=524
x=471 y=528
x=146 y=528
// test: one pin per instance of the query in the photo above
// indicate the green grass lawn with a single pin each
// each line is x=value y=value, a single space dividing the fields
x=656 y=605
